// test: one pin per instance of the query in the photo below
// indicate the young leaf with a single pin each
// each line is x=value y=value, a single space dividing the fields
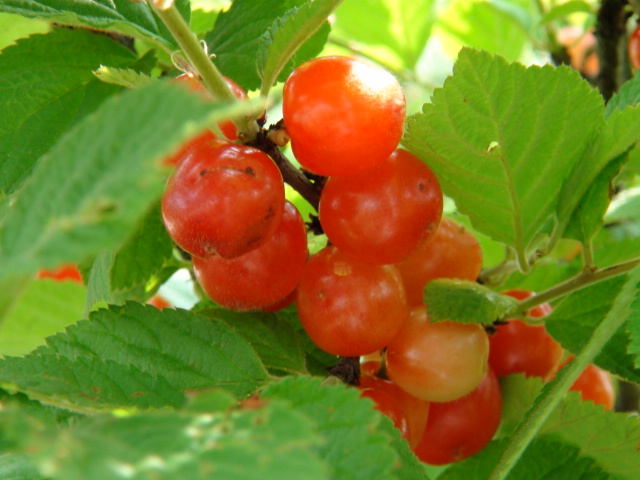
x=125 y=77
x=403 y=27
x=46 y=84
x=465 y=302
x=627 y=96
x=280 y=47
x=190 y=351
x=545 y=459
x=492 y=128
x=564 y=10
x=238 y=34
x=274 y=340
x=354 y=449
x=85 y=384
x=88 y=192
x=44 y=308
x=574 y=319
x=609 y=438
x=120 y=16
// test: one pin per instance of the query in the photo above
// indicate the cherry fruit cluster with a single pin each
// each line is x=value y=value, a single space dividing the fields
x=381 y=209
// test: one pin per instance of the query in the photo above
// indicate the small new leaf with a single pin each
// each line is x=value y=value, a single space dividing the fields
x=465 y=302
x=124 y=77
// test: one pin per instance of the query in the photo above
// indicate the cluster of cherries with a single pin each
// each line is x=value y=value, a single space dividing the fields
x=381 y=209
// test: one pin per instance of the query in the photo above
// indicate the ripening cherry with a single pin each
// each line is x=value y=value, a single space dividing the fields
x=633 y=48
x=389 y=406
x=452 y=252
x=65 y=272
x=517 y=347
x=383 y=214
x=223 y=199
x=347 y=307
x=594 y=384
x=439 y=362
x=343 y=116
x=415 y=409
x=461 y=428
x=264 y=275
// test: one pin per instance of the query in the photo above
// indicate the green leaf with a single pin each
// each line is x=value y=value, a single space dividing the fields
x=114 y=156
x=13 y=27
x=279 y=51
x=17 y=467
x=143 y=254
x=545 y=459
x=492 y=128
x=190 y=351
x=402 y=27
x=627 y=96
x=353 y=448
x=590 y=181
x=609 y=438
x=575 y=318
x=98 y=285
x=499 y=26
x=85 y=384
x=588 y=217
x=44 y=308
x=274 y=340
x=465 y=302
x=47 y=85
x=238 y=34
x=410 y=468
x=121 y=16
x=565 y=9
x=625 y=206
x=271 y=443
x=633 y=329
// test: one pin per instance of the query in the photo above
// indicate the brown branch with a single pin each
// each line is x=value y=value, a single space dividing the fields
x=610 y=31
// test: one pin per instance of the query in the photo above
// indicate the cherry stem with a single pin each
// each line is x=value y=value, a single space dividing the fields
x=200 y=60
x=553 y=393
x=588 y=276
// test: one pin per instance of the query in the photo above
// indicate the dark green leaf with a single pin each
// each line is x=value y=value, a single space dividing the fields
x=121 y=16
x=574 y=319
x=275 y=341
x=492 y=128
x=545 y=459
x=85 y=383
x=47 y=85
x=190 y=351
x=280 y=49
x=143 y=254
x=99 y=286
x=238 y=35
x=465 y=302
x=354 y=449
x=610 y=439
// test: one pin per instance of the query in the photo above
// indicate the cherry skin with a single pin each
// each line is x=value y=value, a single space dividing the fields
x=461 y=428
x=262 y=276
x=633 y=48
x=343 y=116
x=452 y=252
x=65 y=272
x=415 y=409
x=347 y=307
x=389 y=406
x=517 y=347
x=380 y=216
x=594 y=384
x=223 y=199
x=439 y=362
